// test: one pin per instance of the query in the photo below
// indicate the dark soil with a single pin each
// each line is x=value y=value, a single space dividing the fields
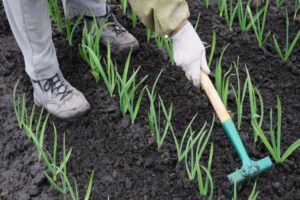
x=124 y=157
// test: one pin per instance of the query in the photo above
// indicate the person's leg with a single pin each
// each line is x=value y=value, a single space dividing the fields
x=31 y=26
x=121 y=41
x=91 y=7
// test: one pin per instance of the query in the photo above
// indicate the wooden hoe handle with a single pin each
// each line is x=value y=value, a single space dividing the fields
x=249 y=168
x=214 y=97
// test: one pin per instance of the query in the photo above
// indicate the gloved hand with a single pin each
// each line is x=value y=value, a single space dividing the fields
x=189 y=53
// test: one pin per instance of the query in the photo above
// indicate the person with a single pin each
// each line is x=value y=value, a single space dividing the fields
x=31 y=26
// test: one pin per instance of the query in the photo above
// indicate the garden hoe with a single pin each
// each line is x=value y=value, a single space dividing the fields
x=250 y=168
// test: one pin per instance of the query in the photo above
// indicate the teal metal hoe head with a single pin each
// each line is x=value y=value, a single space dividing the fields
x=250 y=170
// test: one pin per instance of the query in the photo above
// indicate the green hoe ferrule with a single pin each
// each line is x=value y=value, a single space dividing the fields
x=249 y=168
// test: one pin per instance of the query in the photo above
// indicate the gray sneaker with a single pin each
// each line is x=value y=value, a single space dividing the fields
x=59 y=97
x=120 y=40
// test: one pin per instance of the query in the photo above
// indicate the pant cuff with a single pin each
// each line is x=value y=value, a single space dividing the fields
x=74 y=11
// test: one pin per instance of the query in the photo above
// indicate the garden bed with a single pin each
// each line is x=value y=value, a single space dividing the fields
x=124 y=157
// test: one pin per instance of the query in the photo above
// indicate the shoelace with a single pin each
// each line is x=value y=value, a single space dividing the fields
x=54 y=84
x=114 y=25
x=111 y=22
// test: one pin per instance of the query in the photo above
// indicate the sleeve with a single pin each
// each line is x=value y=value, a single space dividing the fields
x=161 y=16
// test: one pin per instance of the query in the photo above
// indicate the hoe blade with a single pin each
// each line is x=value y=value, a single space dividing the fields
x=246 y=173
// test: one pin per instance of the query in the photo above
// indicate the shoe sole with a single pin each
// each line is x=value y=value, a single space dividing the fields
x=72 y=118
x=122 y=55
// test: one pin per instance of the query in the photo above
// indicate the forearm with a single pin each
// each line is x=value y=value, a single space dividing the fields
x=163 y=17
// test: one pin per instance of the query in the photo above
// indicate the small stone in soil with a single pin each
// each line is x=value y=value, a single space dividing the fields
x=34 y=191
x=115 y=174
x=24 y=196
x=38 y=179
x=172 y=176
x=128 y=184
x=276 y=185
x=148 y=162
x=177 y=198
x=151 y=140
x=125 y=122
x=107 y=179
x=165 y=157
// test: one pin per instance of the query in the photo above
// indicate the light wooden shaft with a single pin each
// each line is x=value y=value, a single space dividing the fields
x=214 y=97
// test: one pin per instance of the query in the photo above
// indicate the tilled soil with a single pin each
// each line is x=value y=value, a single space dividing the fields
x=125 y=158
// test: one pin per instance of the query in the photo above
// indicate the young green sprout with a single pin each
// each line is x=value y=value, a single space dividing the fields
x=297 y=8
x=197 y=22
x=206 y=3
x=218 y=72
x=62 y=170
x=221 y=7
x=222 y=82
x=159 y=40
x=187 y=142
x=54 y=13
x=25 y=121
x=279 y=4
x=168 y=123
x=253 y=94
x=123 y=5
x=90 y=52
x=133 y=18
x=108 y=73
x=204 y=185
x=155 y=118
x=239 y=94
x=258 y=24
x=73 y=189
x=66 y=188
x=56 y=173
x=70 y=30
x=288 y=48
x=230 y=13
x=19 y=109
x=91 y=36
x=213 y=48
x=253 y=195
x=169 y=47
x=162 y=42
x=193 y=158
x=274 y=147
x=127 y=90
x=243 y=16
x=148 y=34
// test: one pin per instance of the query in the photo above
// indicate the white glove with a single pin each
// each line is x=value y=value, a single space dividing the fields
x=189 y=53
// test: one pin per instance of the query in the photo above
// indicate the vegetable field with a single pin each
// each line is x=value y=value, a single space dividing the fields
x=151 y=135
